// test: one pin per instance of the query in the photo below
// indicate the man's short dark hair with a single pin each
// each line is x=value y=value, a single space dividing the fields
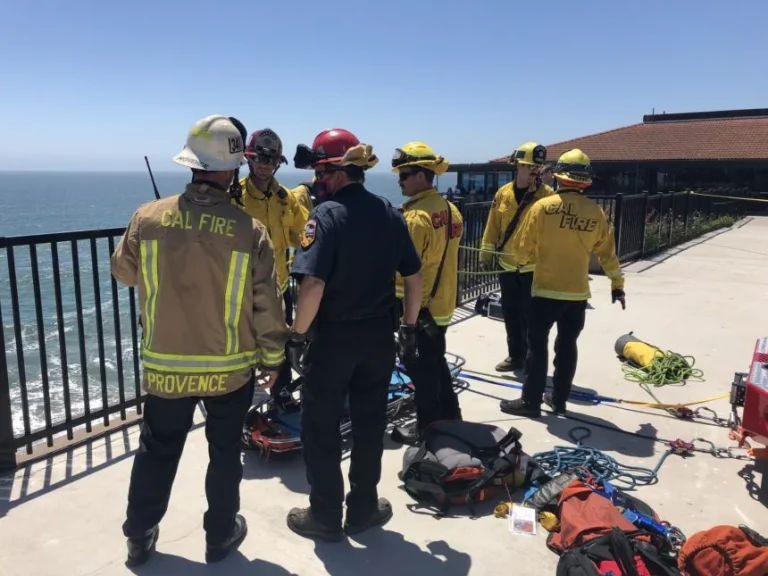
x=355 y=173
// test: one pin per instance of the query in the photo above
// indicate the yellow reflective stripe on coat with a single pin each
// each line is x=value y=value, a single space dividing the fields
x=194 y=364
x=233 y=301
x=149 y=271
x=504 y=264
x=554 y=295
x=272 y=359
x=443 y=320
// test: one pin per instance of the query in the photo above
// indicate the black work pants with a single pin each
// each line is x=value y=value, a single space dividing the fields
x=353 y=358
x=285 y=376
x=435 y=397
x=569 y=317
x=515 y=306
x=163 y=435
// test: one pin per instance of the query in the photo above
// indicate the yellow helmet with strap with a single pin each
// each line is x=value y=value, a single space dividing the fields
x=530 y=154
x=421 y=155
x=573 y=169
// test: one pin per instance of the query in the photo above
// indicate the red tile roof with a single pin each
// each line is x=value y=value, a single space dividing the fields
x=696 y=136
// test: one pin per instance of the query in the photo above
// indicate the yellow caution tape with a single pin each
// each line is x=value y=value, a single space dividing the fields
x=729 y=197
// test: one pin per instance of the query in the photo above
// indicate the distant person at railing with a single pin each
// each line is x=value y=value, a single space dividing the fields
x=559 y=234
x=511 y=203
x=546 y=176
x=435 y=226
x=211 y=312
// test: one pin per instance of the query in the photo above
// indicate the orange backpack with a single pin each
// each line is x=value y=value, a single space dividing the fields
x=724 y=551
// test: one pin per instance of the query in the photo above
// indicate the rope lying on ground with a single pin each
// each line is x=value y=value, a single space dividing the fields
x=591 y=463
x=665 y=369
x=597 y=398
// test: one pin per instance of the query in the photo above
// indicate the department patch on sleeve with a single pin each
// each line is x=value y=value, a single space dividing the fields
x=308 y=236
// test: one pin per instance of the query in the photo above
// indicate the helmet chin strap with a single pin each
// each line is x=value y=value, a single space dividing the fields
x=235 y=190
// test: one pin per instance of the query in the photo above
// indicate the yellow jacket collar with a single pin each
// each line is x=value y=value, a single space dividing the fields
x=419 y=196
x=252 y=190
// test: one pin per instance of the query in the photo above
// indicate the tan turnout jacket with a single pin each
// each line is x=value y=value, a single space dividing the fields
x=210 y=304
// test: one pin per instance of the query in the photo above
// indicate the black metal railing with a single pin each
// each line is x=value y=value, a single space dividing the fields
x=646 y=224
x=67 y=362
x=69 y=344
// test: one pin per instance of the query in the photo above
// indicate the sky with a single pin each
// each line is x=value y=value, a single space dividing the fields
x=95 y=85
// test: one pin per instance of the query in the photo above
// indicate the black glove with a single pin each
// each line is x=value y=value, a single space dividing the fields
x=406 y=343
x=297 y=350
x=619 y=295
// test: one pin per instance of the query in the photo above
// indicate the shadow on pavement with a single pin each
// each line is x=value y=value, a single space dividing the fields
x=289 y=468
x=236 y=565
x=514 y=383
x=604 y=435
x=749 y=473
x=78 y=461
x=387 y=553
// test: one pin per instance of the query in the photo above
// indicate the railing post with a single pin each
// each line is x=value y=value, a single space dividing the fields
x=618 y=221
x=687 y=212
x=646 y=201
x=671 y=218
x=7 y=442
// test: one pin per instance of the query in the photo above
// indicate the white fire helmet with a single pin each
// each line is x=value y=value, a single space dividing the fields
x=214 y=144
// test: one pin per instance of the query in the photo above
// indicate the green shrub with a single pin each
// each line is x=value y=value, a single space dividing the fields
x=657 y=230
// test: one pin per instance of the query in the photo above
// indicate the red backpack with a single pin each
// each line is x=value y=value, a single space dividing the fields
x=725 y=551
x=595 y=539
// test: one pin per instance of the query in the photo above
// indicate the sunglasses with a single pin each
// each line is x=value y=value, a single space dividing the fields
x=403 y=176
x=261 y=159
x=324 y=173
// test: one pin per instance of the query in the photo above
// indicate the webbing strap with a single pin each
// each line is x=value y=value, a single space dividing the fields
x=527 y=199
x=439 y=273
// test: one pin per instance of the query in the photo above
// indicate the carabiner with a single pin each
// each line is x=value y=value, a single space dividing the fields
x=712 y=450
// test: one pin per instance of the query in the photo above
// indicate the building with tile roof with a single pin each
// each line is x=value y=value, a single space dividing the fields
x=726 y=150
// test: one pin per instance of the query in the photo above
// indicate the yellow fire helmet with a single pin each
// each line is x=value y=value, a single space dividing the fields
x=573 y=169
x=421 y=155
x=530 y=153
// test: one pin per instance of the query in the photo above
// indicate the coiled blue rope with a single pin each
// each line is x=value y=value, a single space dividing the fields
x=590 y=462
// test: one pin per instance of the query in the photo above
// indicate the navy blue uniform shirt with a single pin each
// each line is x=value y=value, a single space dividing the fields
x=355 y=241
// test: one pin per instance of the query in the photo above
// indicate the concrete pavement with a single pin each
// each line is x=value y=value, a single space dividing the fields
x=63 y=516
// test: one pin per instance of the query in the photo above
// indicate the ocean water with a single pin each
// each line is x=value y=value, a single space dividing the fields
x=46 y=202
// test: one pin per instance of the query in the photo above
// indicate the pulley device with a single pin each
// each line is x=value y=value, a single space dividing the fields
x=749 y=391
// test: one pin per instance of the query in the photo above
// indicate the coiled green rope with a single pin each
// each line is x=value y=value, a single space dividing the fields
x=665 y=369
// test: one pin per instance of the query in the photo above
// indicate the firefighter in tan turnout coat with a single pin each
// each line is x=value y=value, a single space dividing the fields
x=212 y=313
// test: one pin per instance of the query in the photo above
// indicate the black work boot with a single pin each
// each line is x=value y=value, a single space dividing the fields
x=301 y=521
x=378 y=517
x=140 y=549
x=409 y=435
x=510 y=365
x=217 y=552
x=557 y=407
x=520 y=408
